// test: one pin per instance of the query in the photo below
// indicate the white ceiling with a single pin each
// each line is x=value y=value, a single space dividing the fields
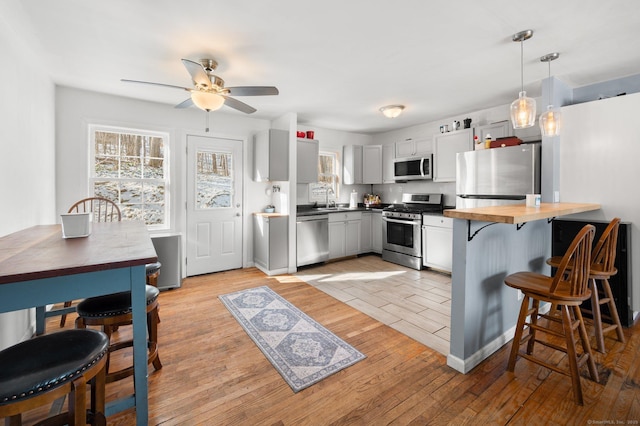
x=337 y=62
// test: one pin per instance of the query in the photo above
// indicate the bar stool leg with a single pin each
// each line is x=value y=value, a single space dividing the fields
x=586 y=347
x=597 y=315
x=571 y=354
x=613 y=310
x=515 y=344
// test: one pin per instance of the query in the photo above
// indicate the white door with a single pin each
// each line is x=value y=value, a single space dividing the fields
x=214 y=204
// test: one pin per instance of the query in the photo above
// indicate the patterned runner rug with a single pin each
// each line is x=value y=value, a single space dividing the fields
x=303 y=351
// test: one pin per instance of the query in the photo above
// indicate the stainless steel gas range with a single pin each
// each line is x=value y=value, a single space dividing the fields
x=401 y=232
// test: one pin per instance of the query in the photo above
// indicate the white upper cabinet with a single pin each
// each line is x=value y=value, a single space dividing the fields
x=352 y=168
x=308 y=151
x=372 y=164
x=413 y=148
x=388 y=155
x=271 y=155
x=445 y=148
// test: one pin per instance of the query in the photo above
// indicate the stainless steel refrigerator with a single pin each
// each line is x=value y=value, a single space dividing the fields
x=497 y=176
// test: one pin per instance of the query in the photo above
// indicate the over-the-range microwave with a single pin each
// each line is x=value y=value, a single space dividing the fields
x=413 y=168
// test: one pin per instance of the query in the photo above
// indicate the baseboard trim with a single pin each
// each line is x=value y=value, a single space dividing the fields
x=466 y=365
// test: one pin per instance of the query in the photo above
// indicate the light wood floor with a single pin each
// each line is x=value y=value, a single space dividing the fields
x=416 y=303
x=215 y=375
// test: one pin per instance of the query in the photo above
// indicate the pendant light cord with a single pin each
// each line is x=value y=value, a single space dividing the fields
x=522 y=64
x=549 y=83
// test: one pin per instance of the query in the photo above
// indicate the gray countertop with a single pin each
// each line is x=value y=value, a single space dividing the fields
x=310 y=211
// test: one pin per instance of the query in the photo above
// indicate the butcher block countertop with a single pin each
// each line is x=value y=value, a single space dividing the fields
x=519 y=213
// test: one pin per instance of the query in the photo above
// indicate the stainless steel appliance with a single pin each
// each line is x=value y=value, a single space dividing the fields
x=497 y=176
x=414 y=168
x=401 y=228
x=312 y=239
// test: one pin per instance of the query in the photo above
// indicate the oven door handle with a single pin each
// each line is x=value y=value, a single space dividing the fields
x=403 y=222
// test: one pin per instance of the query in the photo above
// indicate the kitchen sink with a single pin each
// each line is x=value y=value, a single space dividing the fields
x=331 y=209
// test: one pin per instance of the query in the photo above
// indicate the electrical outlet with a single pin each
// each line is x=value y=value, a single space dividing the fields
x=556 y=196
x=520 y=295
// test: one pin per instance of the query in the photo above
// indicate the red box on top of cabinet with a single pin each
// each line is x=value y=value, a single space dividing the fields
x=508 y=141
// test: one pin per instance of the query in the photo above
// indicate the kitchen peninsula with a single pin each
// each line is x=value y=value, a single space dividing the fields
x=490 y=243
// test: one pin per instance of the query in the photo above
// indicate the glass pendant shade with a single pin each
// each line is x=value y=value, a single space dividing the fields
x=206 y=100
x=550 y=122
x=523 y=111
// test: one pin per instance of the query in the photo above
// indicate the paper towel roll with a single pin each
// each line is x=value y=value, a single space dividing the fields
x=353 y=201
x=280 y=202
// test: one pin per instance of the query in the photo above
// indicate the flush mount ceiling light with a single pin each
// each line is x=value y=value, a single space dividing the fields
x=392 y=111
x=550 y=120
x=523 y=109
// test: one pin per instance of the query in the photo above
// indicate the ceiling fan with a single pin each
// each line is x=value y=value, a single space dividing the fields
x=209 y=92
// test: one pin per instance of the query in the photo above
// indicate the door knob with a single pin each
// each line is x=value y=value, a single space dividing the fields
x=237 y=214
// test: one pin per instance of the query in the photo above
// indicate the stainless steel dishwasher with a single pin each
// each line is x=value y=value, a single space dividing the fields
x=312 y=238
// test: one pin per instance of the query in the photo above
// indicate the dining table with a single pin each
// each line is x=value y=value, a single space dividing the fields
x=39 y=267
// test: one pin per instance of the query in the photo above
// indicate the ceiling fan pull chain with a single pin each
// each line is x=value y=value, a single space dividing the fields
x=206 y=129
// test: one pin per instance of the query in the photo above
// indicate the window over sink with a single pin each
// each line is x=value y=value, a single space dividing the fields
x=328 y=177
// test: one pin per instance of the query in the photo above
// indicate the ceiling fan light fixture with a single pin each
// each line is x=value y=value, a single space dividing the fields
x=206 y=100
x=523 y=109
x=392 y=111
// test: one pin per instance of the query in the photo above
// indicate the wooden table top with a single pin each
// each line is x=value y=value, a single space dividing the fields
x=41 y=252
x=519 y=213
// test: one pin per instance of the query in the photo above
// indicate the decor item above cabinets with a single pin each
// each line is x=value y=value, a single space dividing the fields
x=307 y=165
x=445 y=148
x=271 y=155
x=413 y=148
x=501 y=129
x=352 y=164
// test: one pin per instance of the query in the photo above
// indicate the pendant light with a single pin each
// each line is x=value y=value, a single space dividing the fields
x=523 y=109
x=550 y=120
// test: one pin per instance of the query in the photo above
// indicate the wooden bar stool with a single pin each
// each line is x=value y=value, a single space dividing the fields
x=153 y=272
x=39 y=371
x=567 y=289
x=602 y=268
x=113 y=311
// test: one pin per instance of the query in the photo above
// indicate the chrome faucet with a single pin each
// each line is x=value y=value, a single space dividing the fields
x=327 y=197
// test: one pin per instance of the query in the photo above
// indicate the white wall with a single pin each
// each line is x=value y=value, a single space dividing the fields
x=78 y=108
x=27 y=156
x=599 y=152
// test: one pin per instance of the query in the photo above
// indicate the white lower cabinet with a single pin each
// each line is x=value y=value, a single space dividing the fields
x=437 y=242
x=270 y=244
x=366 y=242
x=344 y=234
x=376 y=232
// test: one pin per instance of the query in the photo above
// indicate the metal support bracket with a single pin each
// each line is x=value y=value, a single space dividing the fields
x=469 y=236
x=549 y=220
x=520 y=225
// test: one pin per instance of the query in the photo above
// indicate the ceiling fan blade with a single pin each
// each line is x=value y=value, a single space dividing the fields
x=155 y=84
x=185 y=104
x=198 y=75
x=240 y=106
x=253 y=90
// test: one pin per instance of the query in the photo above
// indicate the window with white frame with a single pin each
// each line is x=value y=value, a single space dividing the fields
x=328 y=178
x=131 y=168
